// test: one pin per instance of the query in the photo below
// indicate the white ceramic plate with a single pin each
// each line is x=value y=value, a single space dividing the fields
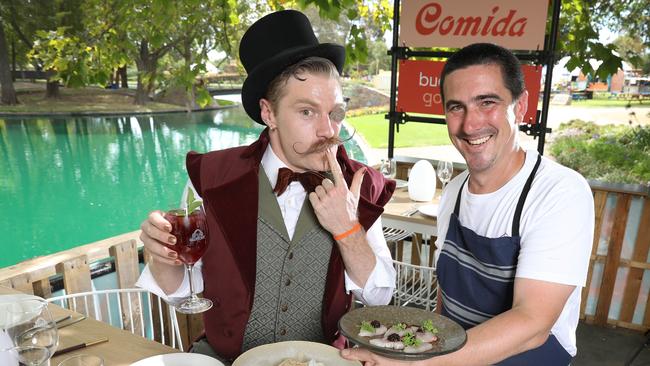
x=400 y=183
x=274 y=353
x=179 y=359
x=429 y=210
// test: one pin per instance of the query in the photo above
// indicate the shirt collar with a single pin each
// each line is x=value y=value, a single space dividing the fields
x=271 y=163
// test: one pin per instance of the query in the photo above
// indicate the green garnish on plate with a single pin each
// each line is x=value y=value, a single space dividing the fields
x=409 y=339
x=427 y=326
x=400 y=327
x=367 y=326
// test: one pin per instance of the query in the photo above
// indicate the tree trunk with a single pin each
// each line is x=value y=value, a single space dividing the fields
x=190 y=101
x=52 y=89
x=121 y=71
x=142 y=62
x=6 y=81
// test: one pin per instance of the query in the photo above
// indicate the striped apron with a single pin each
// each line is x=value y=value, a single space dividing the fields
x=476 y=276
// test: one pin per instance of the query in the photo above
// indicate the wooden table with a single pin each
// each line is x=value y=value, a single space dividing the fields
x=122 y=349
x=424 y=226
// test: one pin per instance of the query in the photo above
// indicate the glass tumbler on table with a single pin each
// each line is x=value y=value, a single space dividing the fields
x=33 y=333
x=82 y=360
x=191 y=232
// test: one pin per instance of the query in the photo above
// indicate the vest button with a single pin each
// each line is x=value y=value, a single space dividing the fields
x=227 y=333
x=284 y=308
x=290 y=255
x=283 y=332
x=287 y=282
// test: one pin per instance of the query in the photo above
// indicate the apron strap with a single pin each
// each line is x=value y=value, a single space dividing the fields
x=522 y=198
x=460 y=191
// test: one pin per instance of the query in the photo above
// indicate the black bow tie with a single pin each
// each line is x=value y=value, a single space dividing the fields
x=309 y=180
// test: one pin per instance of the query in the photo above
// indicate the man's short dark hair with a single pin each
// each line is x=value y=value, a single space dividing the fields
x=312 y=65
x=487 y=54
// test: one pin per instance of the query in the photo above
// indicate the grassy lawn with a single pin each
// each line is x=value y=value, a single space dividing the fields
x=374 y=129
x=610 y=103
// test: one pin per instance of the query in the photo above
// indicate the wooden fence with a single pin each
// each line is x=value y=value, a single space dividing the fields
x=34 y=277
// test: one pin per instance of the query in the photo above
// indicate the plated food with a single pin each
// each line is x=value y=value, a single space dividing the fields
x=437 y=334
x=401 y=336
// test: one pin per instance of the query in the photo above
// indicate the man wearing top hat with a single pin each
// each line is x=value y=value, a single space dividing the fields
x=280 y=266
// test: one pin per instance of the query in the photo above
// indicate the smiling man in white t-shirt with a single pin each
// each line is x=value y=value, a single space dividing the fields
x=515 y=230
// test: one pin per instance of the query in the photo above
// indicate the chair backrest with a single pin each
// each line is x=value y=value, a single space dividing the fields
x=133 y=309
x=416 y=286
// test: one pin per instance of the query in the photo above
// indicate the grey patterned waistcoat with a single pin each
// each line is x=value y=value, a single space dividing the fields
x=290 y=274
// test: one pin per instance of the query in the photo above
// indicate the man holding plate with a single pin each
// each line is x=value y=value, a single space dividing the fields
x=281 y=267
x=515 y=229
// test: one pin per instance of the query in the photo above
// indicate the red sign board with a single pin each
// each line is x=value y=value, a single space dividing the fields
x=419 y=88
x=513 y=24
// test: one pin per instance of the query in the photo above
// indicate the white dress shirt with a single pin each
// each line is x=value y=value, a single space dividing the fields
x=379 y=286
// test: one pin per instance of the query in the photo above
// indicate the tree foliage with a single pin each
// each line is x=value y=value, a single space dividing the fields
x=169 y=41
x=633 y=51
x=630 y=17
x=579 y=39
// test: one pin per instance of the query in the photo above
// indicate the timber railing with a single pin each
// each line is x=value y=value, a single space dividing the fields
x=35 y=276
x=616 y=293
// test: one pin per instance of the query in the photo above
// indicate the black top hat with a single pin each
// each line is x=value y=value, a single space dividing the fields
x=274 y=43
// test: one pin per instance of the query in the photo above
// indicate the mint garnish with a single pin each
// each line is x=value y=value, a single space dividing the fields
x=192 y=202
x=367 y=326
x=410 y=340
x=427 y=326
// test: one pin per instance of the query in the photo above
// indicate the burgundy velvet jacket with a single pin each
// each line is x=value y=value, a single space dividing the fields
x=227 y=180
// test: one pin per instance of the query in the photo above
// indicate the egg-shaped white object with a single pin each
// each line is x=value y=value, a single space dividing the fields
x=422 y=181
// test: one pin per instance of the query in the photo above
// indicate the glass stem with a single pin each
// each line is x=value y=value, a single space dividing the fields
x=189 y=268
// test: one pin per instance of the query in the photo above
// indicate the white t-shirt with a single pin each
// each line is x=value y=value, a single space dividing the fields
x=556 y=228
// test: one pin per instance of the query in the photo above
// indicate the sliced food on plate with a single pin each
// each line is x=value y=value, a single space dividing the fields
x=401 y=336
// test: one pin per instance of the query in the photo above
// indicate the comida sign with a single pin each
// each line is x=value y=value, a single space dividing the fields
x=419 y=88
x=513 y=24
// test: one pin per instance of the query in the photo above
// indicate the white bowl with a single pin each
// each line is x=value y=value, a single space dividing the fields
x=179 y=359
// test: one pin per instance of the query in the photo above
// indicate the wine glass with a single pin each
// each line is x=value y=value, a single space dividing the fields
x=444 y=171
x=388 y=168
x=29 y=325
x=191 y=231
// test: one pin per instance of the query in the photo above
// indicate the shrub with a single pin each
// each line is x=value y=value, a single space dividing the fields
x=610 y=153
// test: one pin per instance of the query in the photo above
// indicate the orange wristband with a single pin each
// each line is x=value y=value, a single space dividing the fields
x=354 y=229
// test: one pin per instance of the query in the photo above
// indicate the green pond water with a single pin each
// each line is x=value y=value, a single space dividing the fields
x=67 y=181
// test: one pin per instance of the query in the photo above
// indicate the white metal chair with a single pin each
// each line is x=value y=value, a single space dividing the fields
x=393 y=236
x=133 y=309
x=416 y=285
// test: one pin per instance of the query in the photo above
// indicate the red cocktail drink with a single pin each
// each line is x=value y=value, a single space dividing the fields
x=190 y=231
